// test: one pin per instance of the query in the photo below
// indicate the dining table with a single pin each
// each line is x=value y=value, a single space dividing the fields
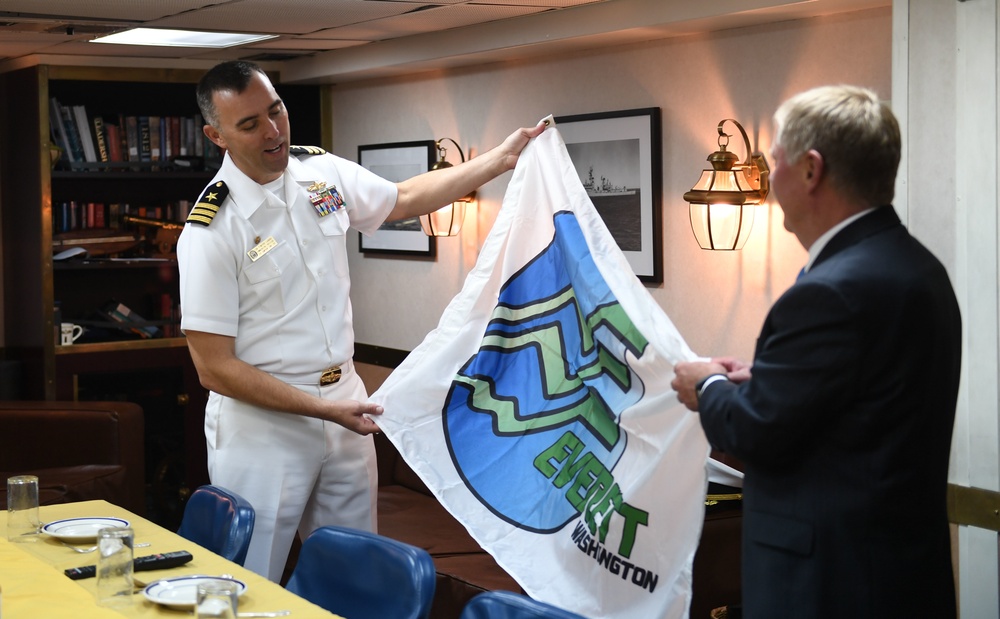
x=33 y=583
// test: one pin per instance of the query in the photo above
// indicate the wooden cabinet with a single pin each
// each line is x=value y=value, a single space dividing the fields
x=38 y=292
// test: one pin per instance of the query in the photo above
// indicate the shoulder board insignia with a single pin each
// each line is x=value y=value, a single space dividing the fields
x=208 y=204
x=306 y=150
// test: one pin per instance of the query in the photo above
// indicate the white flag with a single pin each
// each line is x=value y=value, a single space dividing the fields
x=539 y=411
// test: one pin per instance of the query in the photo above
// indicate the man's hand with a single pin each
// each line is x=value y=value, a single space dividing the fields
x=511 y=147
x=354 y=415
x=736 y=371
x=687 y=375
x=425 y=193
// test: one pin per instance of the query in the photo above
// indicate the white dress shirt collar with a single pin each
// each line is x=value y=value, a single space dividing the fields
x=824 y=238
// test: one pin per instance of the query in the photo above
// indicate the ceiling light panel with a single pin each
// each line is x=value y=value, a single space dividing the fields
x=164 y=37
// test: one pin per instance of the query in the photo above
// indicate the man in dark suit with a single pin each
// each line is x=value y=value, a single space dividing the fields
x=844 y=420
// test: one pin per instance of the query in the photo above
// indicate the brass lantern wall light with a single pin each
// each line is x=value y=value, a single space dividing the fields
x=447 y=220
x=722 y=201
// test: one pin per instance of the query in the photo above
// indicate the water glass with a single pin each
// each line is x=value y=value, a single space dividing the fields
x=22 y=508
x=114 y=566
x=217 y=599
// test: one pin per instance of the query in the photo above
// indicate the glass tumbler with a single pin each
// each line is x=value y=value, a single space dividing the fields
x=114 y=567
x=217 y=599
x=22 y=508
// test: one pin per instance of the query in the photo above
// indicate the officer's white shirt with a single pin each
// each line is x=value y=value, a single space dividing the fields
x=289 y=309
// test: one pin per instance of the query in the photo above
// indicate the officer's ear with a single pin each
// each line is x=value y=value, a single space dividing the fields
x=213 y=134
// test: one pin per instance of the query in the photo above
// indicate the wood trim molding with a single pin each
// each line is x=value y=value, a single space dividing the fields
x=379 y=355
x=974 y=507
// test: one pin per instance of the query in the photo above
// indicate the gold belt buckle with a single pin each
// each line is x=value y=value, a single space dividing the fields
x=330 y=376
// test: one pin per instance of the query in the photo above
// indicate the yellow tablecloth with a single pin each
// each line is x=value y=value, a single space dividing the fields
x=33 y=584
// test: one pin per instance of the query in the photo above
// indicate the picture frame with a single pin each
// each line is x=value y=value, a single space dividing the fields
x=618 y=157
x=398 y=161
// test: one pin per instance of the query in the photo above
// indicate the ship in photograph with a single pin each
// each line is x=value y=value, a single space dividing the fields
x=605 y=188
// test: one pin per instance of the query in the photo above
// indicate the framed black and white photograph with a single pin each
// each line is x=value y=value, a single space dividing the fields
x=617 y=156
x=396 y=162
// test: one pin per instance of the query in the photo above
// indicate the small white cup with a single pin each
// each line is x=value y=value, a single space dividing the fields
x=69 y=333
x=22 y=508
x=217 y=599
x=114 y=567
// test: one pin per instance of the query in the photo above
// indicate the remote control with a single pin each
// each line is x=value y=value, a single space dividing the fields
x=139 y=564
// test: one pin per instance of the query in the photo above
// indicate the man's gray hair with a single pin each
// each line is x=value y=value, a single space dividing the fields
x=856 y=134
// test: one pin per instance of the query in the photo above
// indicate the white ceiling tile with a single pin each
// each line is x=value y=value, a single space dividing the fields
x=285 y=17
x=112 y=10
x=430 y=20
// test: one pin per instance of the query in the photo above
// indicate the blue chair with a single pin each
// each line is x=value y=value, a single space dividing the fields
x=364 y=575
x=220 y=520
x=507 y=605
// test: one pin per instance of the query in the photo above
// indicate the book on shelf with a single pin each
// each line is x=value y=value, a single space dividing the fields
x=72 y=135
x=132 y=137
x=145 y=141
x=86 y=139
x=154 y=139
x=101 y=136
x=123 y=315
x=114 y=138
x=58 y=129
x=123 y=136
x=175 y=137
x=166 y=143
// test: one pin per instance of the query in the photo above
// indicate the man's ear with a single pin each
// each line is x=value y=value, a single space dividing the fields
x=815 y=167
x=213 y=134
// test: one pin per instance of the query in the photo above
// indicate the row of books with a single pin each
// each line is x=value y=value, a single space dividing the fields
x=126 y=141
x=73 y=216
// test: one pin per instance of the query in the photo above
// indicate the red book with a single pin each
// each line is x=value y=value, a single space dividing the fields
x=114 y=142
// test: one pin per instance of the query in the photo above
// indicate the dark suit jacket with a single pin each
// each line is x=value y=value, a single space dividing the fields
x=845 y=431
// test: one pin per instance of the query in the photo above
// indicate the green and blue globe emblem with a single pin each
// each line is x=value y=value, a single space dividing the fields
x=554 y=359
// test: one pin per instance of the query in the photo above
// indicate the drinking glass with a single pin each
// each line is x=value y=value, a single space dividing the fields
x=22 y=508
x=216 y=599
x=114 y=566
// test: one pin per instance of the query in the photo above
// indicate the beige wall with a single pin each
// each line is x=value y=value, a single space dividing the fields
x=717 y=299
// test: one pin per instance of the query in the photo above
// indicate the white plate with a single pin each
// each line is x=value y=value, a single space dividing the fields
x=81 y=529
x=181 y=591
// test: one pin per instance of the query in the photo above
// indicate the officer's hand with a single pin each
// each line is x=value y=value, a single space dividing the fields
x=355 y=416
x=516 y=142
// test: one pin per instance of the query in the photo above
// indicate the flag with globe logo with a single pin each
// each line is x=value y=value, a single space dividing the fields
x=539 y=411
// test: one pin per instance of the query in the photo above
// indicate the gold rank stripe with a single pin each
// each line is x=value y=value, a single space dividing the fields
x=306 y=150
x=203 y=213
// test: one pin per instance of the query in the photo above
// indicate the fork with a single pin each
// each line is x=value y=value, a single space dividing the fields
x=93 y=548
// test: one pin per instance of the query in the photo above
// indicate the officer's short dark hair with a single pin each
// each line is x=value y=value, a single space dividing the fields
x=234 y=75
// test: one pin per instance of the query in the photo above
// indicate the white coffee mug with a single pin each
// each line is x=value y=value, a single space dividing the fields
x=69 y=333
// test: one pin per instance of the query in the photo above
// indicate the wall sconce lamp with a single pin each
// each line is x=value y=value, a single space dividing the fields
x=721 y=201
x=447 y=220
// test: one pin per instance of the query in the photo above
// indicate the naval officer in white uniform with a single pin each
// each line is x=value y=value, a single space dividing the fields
x=265 y=307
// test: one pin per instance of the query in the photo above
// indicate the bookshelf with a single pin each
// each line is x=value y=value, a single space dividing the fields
x=47 y=206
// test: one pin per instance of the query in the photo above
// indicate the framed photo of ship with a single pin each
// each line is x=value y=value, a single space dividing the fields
x=396 y=162
x=617 y=155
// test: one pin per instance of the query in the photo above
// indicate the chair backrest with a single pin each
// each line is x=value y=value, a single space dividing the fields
x=364 y=575
x=508 y=605
x=220 y=520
